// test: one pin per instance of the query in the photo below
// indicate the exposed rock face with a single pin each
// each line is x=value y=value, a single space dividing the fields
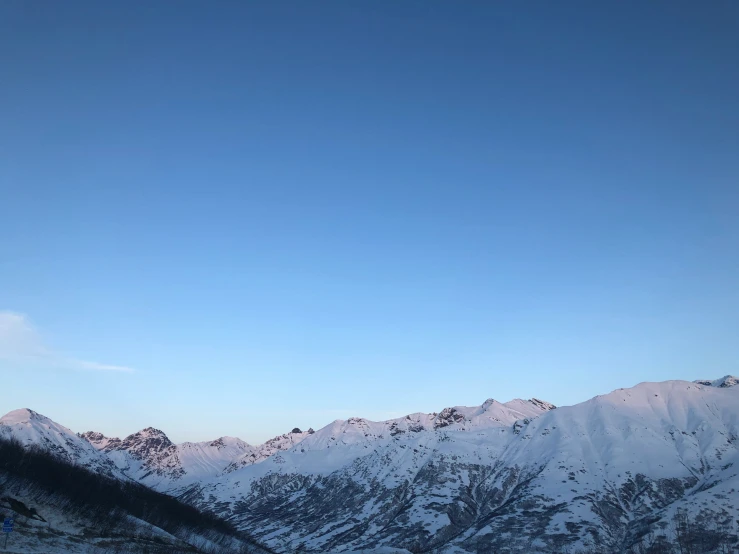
x=448 y=416
x=546 y=406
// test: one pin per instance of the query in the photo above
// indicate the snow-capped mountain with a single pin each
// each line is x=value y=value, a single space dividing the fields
x=147 y=456
x=518 y=476
x=34 y=429
x=150 y=457
x=594 y=476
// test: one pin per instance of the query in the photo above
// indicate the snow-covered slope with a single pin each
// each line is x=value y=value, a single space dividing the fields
x=594 y=476
x=31 y=428
x=61 y=507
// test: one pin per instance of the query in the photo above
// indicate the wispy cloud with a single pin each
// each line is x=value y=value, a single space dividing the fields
x=101 y=367
x=21 y=343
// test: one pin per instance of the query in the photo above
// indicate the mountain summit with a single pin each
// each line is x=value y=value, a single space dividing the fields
x=724 y=382
x=33 y=429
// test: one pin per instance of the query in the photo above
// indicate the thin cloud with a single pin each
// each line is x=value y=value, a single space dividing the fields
x=101 y=367
x=21 y=343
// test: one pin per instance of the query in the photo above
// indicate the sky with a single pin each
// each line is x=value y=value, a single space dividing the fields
x=236 y=218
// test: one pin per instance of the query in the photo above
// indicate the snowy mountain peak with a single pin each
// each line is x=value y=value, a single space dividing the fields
x=32 y=428
x=23 y=415
x=146 y=444
x=489 y=402
x=151 y=433
x=92 y=436
x=724 y=382
x=34 y=423
x=152 y=437
x=546 y=406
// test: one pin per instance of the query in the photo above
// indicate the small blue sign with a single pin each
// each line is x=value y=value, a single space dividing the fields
x=8 y=525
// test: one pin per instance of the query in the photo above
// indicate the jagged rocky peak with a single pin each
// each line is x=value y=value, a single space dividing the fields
x=725 y=382
x=92 y=436
x=728 y=381
x=224 y=442
x=146 y=442
x=542 y=404
x=100 y=441
x=448 y=416
x=150 y=434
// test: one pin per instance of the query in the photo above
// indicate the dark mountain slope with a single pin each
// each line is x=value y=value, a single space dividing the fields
x=62 y=507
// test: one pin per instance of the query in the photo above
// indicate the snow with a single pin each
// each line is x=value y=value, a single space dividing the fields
x=32 y=428
x=673 y=430
x=669 y=430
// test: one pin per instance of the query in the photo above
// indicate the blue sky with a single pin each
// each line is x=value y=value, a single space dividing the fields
x=278 y=214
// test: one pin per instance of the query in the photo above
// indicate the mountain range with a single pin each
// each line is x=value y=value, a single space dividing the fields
x=620 y=472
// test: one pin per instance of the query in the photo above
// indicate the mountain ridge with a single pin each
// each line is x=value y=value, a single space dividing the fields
x=597 y=476
x=603 y=475
x=151 y=457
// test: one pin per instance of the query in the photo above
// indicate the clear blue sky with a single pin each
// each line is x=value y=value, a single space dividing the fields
x=282 y=213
